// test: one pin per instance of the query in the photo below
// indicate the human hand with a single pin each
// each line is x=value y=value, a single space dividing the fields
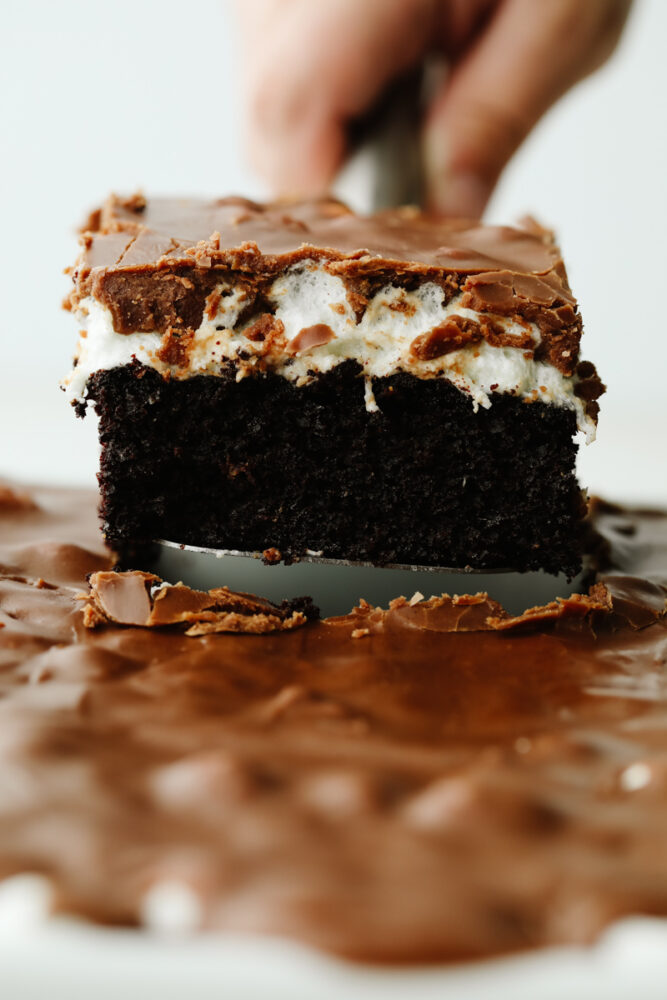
x=312 y=66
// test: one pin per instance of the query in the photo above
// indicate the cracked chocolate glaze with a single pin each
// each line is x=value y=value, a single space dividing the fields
x=411 y=794
x=136 y=233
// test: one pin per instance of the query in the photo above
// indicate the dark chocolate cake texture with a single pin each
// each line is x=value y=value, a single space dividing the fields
x=296 y=378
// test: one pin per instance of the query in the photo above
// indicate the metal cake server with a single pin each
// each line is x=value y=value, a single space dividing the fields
x=337 y=584
x=386 y=160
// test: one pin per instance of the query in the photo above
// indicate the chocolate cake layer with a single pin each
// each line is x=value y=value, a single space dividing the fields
x=431 y=790
x=262 y=464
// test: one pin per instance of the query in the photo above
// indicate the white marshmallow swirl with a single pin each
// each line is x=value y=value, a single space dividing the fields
x=307 y=296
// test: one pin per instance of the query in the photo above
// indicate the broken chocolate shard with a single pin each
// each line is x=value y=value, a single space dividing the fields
x=311 y=336
x=135 y=598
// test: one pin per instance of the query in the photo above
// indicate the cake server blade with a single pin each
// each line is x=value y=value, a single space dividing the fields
x=317 y=557
x=336 y=585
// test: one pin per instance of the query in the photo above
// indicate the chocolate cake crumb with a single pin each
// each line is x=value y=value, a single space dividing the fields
x=271 y=556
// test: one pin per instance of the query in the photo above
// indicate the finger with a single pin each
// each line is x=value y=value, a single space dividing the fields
x=311 y=70
x=525 y=59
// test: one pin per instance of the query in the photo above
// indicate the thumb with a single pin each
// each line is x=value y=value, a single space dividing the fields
x=526 y=58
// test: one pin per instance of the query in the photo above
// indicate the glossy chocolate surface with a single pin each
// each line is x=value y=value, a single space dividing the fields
x=395 y=235
x=414 y=793
x=140 y=233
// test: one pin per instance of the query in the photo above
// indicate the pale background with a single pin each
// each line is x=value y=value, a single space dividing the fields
x=144 y=93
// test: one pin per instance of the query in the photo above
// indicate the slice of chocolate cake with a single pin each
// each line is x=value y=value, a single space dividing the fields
x=393 y=389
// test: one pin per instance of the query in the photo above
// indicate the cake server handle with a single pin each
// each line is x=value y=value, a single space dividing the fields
x=385 y=163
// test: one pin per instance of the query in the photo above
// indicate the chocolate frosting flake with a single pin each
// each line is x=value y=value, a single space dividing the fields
x=143 y=599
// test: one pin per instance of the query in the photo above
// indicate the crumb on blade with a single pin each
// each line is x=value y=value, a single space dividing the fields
x=271 y=556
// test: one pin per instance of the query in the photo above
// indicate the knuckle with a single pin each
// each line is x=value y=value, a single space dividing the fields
x=488 y=135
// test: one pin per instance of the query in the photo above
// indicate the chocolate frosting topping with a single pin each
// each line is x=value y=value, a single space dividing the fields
x=240 y=234
x=158 y=265
x=434 y=788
